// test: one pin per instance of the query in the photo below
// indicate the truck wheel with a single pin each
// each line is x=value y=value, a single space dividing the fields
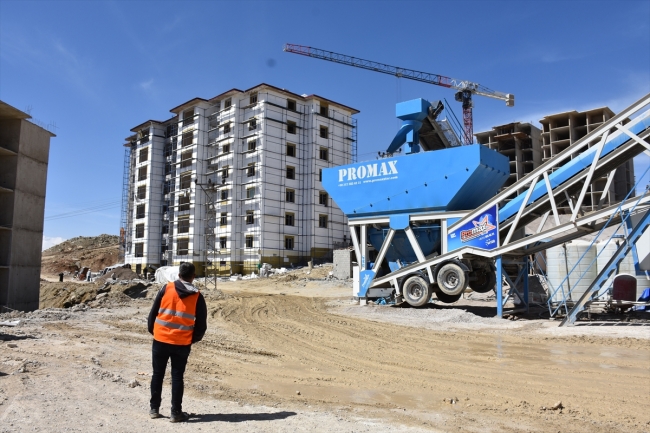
x=451 y=279
x=447 y=299
x=485 y=280
x=416 y=291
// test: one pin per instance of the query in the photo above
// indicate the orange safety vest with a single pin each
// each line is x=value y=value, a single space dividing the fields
x=175 y=321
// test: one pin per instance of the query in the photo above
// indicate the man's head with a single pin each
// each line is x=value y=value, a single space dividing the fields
x=186 y=271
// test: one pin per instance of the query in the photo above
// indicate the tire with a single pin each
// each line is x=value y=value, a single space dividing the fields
x=416 y=291
x=485 y=280
x=451 y=279
x=447 y=299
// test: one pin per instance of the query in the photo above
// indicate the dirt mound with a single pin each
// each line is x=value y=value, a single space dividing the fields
x=96 y=294
x=95 y=252
x=83 y=243
x=66 y=294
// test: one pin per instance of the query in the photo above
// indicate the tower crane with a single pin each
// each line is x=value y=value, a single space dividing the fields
x=465 y=89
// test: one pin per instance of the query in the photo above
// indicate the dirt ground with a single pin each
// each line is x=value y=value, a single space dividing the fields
x=292 y=353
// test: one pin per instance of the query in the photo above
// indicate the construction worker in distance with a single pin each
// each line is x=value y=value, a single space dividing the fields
x=178 y=318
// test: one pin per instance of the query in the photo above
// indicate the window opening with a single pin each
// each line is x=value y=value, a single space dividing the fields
x=188 y=117
x=142 y=192
x=182 y=247
x=142 y=173
x=188 y=138
x=184 y=225
x=323 y=153
x=186 y=180
x=323 y=198
x=291 y=149
x=186 y=159
x=183 y=203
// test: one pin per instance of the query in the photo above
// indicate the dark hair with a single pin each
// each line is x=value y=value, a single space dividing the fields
x=186 y=270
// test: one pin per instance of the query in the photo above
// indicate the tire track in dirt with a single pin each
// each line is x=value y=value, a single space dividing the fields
x=338 y=360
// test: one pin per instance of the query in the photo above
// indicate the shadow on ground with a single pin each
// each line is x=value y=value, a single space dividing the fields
x=240 y=417
x=9 y=337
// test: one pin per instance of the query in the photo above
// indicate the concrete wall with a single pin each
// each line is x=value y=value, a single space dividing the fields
x=24 y=155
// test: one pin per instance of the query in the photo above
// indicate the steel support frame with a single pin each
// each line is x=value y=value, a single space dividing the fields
x=559 y=160
x=522 y=276
x=518 y=247
x=607 y=272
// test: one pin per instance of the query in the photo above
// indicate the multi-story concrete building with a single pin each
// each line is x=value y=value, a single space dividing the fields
x=235 y=181
x=527 y=147
x=24 y=156
x=520 y=142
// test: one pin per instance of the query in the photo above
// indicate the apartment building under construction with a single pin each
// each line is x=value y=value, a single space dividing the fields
x=235 y=181
x=526 y=146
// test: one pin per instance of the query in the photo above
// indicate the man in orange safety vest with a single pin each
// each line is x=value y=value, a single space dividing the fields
x=178 y=318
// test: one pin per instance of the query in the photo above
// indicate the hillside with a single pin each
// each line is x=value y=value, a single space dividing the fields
x=95 y=252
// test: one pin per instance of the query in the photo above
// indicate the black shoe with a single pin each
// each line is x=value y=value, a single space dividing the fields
x=179 y=417
x=153 y=414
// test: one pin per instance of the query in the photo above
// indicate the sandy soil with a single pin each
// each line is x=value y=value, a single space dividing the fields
x=292 y=354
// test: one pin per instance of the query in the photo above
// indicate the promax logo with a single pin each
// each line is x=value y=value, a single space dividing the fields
x=480 y=228
x=368 y=171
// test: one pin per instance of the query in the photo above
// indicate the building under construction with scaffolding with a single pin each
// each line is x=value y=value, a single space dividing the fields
x=234 y=181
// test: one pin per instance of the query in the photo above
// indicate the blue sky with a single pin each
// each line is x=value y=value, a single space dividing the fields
x=96 y=69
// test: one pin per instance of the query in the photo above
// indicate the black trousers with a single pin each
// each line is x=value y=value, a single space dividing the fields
x=161 y=353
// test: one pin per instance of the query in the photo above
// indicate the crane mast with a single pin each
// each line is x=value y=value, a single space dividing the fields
x=465 y=89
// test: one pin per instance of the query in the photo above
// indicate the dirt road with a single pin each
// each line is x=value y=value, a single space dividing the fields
x=351 y=373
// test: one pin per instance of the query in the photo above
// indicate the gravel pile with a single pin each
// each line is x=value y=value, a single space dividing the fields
x=429 y=318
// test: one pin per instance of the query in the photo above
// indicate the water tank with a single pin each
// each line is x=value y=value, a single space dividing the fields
x=560 y=261
x=605 y=252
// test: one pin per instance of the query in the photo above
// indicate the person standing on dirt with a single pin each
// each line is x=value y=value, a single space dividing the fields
x=178 y=318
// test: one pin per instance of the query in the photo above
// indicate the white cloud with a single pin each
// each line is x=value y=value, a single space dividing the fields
x=50 y=241
x=146 y=85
